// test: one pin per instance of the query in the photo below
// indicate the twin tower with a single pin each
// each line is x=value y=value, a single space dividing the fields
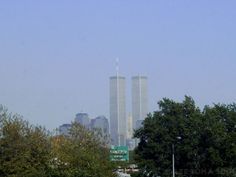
x=119 y=123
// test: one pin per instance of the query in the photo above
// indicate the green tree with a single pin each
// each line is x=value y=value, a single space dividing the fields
x=30 y=151
x=204 y=141
x=217 y=145
x=24 y=149
x=81 y=154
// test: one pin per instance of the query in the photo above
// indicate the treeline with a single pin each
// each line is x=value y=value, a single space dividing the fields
x=31 y=151
x=203 y=141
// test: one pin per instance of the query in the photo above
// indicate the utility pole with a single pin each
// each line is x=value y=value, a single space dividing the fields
x=173 y=160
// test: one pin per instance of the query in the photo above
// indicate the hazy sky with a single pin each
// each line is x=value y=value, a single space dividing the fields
x=56 y=56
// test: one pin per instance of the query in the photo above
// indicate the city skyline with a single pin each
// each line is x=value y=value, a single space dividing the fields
x=56 y=57
x=99 y=122
x=121 y=125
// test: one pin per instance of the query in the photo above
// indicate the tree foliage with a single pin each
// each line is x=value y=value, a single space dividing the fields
x=204 y=141
x=30 y=151
x=81 y=154
x=24 y=149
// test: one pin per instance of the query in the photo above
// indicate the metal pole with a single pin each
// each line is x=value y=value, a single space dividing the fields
x=173 y=160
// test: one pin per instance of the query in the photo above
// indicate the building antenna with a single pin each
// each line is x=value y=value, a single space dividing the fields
x=117 y=67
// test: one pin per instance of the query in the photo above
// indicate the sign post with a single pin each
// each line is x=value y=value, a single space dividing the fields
x=119 y=154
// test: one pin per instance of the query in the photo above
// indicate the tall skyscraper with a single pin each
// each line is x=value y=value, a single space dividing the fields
x=117 y=110
x=139 y=100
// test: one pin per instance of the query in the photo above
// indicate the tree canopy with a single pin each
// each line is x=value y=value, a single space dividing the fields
x=81 y=154
x=31 y=151
x=204 y=141
x=24 y=149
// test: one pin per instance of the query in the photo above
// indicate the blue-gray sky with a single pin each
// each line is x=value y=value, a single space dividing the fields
x=56 y=56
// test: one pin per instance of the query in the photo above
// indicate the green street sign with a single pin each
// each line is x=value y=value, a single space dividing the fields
x=119 y=153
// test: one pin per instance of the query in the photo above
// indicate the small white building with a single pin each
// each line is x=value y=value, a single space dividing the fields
x=120 y=174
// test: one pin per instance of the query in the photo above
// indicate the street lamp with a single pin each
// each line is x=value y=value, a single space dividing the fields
x=173 y=156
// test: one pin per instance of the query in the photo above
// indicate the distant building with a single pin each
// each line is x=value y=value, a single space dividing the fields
x=130 y=127
x=117 y=110
x=64 y=129
x=83 y=119
x=130 y=141
x=100 y=122
x=139 y=100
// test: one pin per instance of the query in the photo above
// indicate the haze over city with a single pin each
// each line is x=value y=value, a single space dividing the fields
x=56 y=57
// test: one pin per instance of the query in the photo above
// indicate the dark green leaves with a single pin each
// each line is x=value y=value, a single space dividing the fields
x=207 y=142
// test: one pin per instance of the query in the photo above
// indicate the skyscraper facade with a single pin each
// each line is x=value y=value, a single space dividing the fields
x=139 y=100
x=65 y=129
x=129 y=126
x=117 y=110
x=100 y=122
x=83 y=119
